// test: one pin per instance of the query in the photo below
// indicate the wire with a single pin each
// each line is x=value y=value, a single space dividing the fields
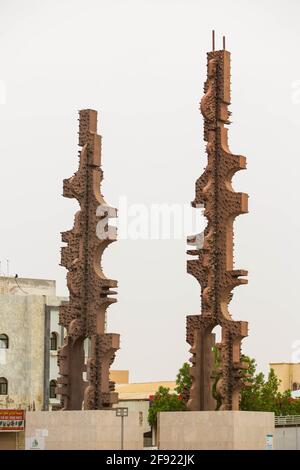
x=16 y=281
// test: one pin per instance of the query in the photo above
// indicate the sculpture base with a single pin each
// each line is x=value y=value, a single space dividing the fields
x=82 y=430
x=215 y=430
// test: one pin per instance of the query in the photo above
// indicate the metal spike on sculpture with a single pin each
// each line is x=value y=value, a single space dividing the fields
x=213 y=266
x=90 y=290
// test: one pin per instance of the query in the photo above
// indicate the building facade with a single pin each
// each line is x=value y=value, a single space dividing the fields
x=289 y=375
x=29 y=340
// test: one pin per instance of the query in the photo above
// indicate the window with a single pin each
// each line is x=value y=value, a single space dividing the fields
x=52 y=392
x=53 y=341
x=295 y=386
x=3 y=386
x=3 y=341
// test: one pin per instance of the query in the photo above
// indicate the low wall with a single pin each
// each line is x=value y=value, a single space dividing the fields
x=214 y=430
x=140 y=406
x=91 y=429
x=287 y=438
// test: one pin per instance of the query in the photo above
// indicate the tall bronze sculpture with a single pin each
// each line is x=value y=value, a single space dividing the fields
x=213 y=266
x=90 y=291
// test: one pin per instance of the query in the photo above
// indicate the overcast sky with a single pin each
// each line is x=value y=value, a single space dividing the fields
x=142 y=65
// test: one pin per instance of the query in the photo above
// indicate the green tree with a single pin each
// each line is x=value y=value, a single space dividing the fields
x=262 y=394
x=163 y=400
x=250 y=394
x=184 y=382
x=259 y=393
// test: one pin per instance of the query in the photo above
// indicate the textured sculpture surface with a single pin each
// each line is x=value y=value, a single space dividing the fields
x=90 y=290
x=213 y=266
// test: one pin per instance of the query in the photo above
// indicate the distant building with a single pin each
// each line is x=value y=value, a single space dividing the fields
x=136 y=396
x=29 y=339
x=289 y=375
x=119 y=376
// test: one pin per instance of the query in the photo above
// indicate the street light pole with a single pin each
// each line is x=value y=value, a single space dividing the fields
x=122 y=432
x=122 y=412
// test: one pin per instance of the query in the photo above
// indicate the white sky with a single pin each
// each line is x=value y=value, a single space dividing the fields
x=142 y=65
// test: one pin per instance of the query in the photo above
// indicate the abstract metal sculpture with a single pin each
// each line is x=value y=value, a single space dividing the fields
x=213 y=267
x=84 y=315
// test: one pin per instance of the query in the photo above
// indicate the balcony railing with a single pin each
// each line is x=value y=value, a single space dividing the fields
x=287 y=420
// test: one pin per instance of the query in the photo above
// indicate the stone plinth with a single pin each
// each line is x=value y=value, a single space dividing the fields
x=91 y=429
x=214 y=430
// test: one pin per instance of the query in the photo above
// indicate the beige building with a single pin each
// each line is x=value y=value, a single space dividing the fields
x=289 y=375
x=136 y=396
x=29 y=339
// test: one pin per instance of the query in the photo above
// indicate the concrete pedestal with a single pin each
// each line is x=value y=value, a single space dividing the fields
x=215 y=430
x=72 y=430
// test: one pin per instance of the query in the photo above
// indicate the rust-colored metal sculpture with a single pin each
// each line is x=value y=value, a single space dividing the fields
x=84 y=315
x=213 y=267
